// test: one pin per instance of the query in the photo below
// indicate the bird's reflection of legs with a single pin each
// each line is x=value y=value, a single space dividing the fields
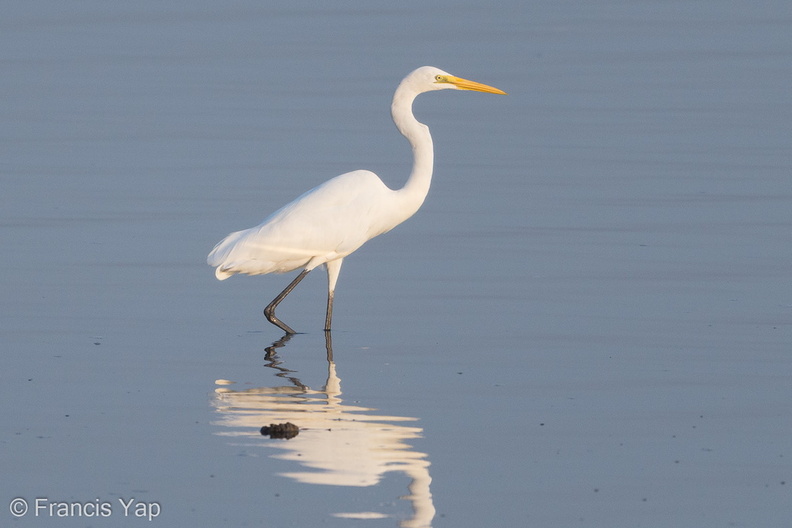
x=329 y=345
x=274 y=362
x=270 y=350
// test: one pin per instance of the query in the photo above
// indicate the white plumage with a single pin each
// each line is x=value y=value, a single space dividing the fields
x=343 y=219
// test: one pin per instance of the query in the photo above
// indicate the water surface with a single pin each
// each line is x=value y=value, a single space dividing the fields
x=588 y=322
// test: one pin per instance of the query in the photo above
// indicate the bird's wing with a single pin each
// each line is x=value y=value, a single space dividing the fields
x=328 y=222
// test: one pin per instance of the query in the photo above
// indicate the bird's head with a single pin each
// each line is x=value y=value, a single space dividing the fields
x=428 y=78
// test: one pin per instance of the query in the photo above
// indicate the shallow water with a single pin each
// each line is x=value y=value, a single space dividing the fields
x=588 y=322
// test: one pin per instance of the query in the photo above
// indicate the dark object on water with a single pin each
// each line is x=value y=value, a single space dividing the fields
x=285 y=430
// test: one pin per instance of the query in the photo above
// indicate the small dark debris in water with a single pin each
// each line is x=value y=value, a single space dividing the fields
x=285 y=430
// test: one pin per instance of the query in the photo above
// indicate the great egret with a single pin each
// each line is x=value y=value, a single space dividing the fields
x=332 y=220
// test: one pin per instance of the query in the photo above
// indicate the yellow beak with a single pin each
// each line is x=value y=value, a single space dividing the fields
x=464 y=84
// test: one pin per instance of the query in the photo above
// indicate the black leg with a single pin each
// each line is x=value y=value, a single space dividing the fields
x=269 y=311
x=329 y=315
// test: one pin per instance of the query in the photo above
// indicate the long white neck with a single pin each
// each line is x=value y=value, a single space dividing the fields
x=415 y=190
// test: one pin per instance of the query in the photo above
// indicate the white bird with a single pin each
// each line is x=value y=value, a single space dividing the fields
x=329 y=222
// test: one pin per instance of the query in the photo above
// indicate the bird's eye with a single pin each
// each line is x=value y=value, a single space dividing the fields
x=438 y=78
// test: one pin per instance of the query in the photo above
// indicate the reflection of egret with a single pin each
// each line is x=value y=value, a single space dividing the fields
x=331 y=221
x=339 y=443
